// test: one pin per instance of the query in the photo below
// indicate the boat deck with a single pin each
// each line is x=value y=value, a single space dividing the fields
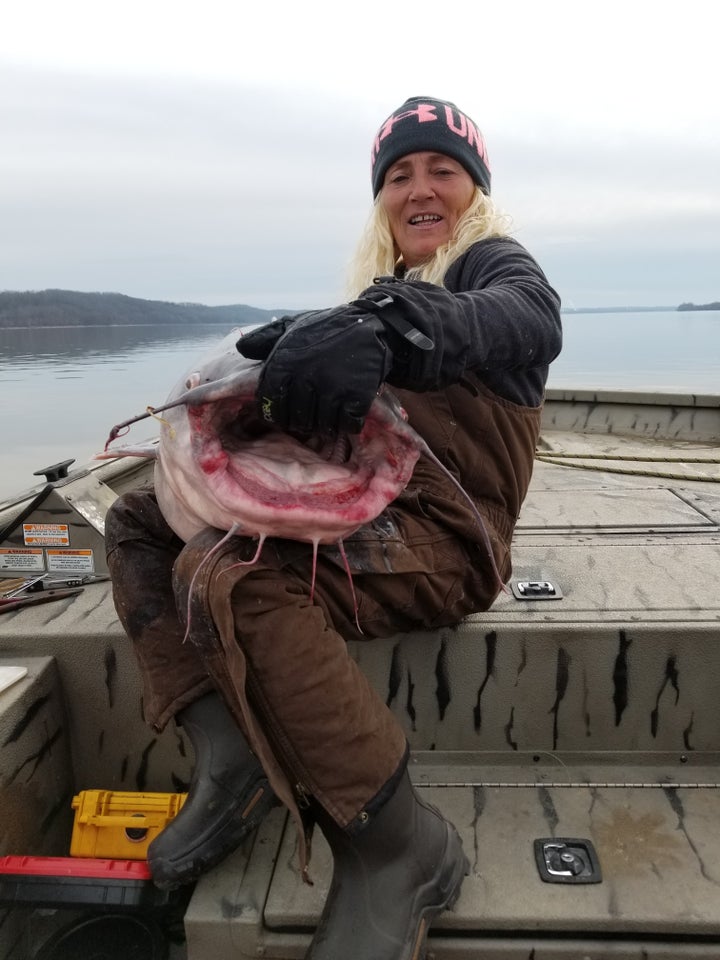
x=588 y=715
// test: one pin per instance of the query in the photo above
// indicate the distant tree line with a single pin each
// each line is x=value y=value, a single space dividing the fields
x=700 y=306
x=68 y=308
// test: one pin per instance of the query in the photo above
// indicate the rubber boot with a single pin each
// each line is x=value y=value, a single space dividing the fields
x=389 y=881
x=228 y=797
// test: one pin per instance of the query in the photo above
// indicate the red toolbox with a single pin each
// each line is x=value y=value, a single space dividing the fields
x=79 y=881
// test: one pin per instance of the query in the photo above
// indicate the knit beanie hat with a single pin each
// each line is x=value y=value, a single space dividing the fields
x=423 y=123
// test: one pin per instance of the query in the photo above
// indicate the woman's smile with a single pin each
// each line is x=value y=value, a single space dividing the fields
x=424 y=195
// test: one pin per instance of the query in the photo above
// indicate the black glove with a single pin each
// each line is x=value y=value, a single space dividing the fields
x=258 y=343
x=322 y=368
x=425 y=331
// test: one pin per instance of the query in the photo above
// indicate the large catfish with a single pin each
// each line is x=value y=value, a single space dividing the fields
x=219 y=464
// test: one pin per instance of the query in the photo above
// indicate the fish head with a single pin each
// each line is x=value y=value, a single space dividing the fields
x=220 y=464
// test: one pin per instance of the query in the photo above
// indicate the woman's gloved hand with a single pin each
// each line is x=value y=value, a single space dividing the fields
x=262 y=339
x=322 y=368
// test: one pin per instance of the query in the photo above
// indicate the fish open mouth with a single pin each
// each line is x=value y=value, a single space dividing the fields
x=247 y=429
x=261 y=457
x=269 y=479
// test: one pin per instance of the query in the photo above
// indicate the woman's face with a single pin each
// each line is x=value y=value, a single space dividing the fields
x=424 y=195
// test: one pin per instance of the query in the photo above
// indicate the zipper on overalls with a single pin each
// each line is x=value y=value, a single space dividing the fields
x=303 y=796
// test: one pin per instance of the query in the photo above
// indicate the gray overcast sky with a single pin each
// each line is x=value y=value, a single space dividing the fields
x=218 y=152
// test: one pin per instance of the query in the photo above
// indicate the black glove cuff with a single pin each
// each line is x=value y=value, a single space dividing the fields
x=381 y=303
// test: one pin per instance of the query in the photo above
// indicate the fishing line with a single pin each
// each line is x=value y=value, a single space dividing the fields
x=164 y=421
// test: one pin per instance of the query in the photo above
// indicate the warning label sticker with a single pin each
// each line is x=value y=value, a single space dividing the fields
x=70 y=561
x=46 y=534
x=17 y=559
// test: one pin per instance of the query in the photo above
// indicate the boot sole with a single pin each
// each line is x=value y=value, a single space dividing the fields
x=169 y=873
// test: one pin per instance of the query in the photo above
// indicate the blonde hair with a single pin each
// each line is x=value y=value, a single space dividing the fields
x=377 y=254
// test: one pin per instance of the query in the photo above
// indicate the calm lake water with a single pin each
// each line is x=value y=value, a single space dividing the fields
x=62 y=389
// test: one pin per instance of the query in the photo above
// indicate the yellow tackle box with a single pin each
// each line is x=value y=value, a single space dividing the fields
x=115 y=825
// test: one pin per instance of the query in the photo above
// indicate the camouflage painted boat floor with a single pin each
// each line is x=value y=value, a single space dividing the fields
x=658 y=896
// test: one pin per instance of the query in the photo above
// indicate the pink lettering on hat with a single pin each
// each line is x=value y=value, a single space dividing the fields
x=461 y=131
x=468 y=131
x=424 y=112
x=475 y=139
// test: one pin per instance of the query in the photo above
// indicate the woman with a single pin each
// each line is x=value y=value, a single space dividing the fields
x=462 y=324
